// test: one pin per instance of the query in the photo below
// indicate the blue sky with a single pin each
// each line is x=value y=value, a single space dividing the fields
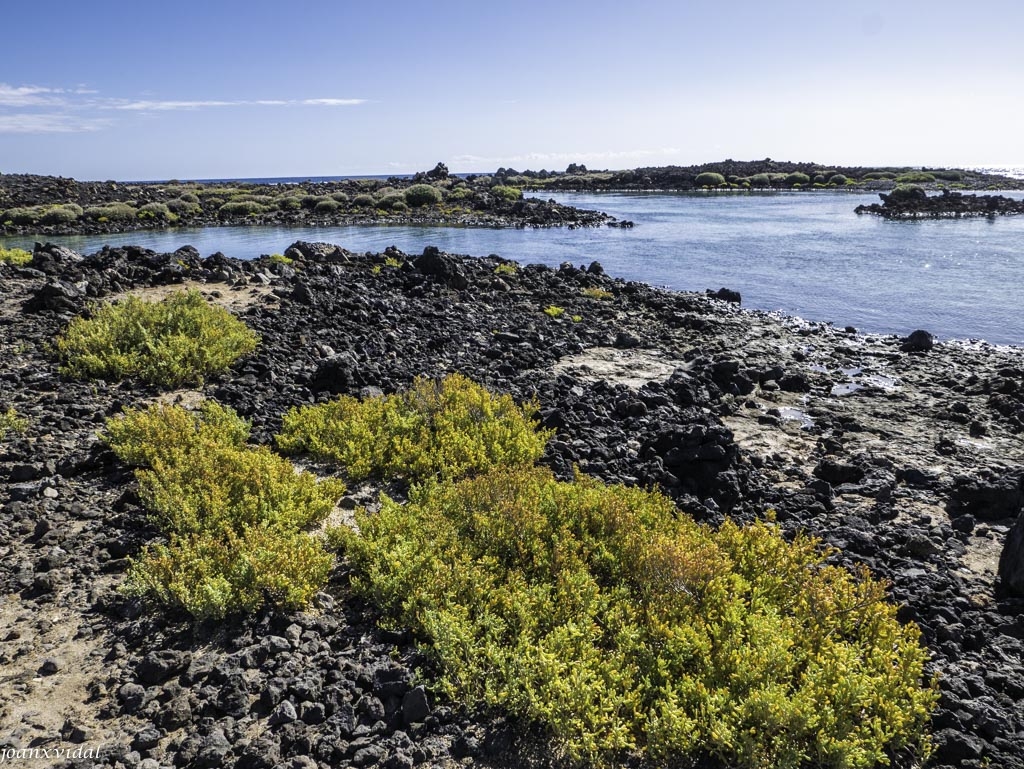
x=118 y=90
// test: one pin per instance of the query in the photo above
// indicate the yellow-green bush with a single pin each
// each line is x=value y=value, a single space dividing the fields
x=175 y=341
x=554 y=311
x=234 y=514
x=448 y=428
x=214 y=576
x=623 y=626
x=597 y=293
x=11 y=422
x=15 y=256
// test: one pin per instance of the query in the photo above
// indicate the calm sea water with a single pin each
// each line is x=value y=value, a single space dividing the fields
x=801 y=253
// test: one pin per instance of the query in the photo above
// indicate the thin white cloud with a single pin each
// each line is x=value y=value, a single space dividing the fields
x=49 y=123
x=164 y=106
x=332 y=102
x=42 y=109
x=28 y=96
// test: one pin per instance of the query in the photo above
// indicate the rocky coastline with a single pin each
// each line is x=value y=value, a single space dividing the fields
x=915 y=203
x=47 y=205
x=905 y=454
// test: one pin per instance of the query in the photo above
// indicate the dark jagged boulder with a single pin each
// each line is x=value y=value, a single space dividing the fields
x=726 y=295
x=1011 y=560
x=318 y=252
x=445 y=268
x=53 y=259
x=57 y=296
x=918 y=341
x=988 y=495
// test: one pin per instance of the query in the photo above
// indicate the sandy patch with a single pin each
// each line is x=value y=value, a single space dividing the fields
x=632 y=368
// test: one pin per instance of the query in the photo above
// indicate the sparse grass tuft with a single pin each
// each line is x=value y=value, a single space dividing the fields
x=553 y=311
x=172 y=342
x=598 y=293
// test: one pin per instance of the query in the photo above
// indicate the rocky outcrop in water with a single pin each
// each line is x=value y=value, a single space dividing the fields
x=907 y=461
x=914 y=203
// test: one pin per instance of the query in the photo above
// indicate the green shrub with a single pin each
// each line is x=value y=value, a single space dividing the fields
x=155 y=211
x=390 y=200
x=11 y=422
x=326 y=207
x=422 y=195
x=363 y=201
x=795 y=178
x=449 y=429
x=619 y=624
x=760 y=180
x=234 y=515
x=65 y=213
x=280 y=259
x=915 y=177
x=188 y=197
x=240 y=208
x=310 y=201
x=709 y=179
x=504 y=192
x=461 y=193
x=838 y=179
x=339 y=197
x=878 y=175
x=597 y=293
x=399 y=206
x=907 y=193
x=506 y=268
x=948 y=176
x=183 y=207
x=289 y=203
x=24 y=215
x=15 y=255
x=111 y=212
x=553 y=311
x=175 y=341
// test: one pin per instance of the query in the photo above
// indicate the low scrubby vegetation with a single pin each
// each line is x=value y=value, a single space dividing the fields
x=11 y=422
x=621 y=625
x=17 y=256
x=422 y=195
x=235 y=516
x=597 y=293
x=178 y=340
x=448 y=429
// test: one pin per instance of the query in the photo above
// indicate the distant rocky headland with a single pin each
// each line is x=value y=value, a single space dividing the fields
x=49 y=205
x=764 y=174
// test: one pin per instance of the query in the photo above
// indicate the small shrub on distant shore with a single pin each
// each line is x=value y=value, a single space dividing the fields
x=506 y=268
x=390 y=200
x=111 y=212
x=709 y=179
x=10 y=422
x=339 y=197
x=175 y=341
x=65 y=213
x=915 y=177
x=17 y=256
x=460 y=193
x=363 y=201
x=838 y=179
x=446 y=429
x=504 y=192
x=241 y=208
x=182 y=207
x=25 y=215
x=795 y=178
x=422 y=195
x=326 y=207
x=760 y=181
x=288 y=203
x=597 y=293
x=235 y=516
x=159 y=211
x=621 y=625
